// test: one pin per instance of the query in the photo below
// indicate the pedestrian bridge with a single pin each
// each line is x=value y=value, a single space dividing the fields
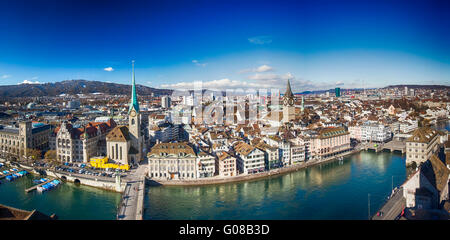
x=131 y=206
x=394 y=145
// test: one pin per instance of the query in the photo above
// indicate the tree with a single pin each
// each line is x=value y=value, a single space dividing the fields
x=50 y=155
x=34 y=154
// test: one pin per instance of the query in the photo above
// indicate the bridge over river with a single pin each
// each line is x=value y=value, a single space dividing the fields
x=394 y=145
x=131 y=206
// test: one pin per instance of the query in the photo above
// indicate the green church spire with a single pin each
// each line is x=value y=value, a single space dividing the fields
x=134 y=101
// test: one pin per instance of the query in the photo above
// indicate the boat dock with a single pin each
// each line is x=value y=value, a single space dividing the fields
x=10 y=173
x=36 y=186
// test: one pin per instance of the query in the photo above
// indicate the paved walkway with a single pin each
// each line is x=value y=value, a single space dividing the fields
x=393 y=207
x=132 y=204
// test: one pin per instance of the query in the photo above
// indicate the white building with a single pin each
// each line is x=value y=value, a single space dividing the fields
x=165 y=102
x=249 y=159
x=373 y=132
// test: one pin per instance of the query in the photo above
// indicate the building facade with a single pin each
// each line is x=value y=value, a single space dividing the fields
x=374 y=132
x=172 y=161
x=226 y=165
x=421 y=145
x=15 y=140
x=330 y=142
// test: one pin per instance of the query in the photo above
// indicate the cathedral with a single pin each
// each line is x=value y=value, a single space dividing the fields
x=125 y=143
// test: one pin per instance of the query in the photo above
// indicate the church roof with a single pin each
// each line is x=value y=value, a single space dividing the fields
x=118 y=134
x=288 y=93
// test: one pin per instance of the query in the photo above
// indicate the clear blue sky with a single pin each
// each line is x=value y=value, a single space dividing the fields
x=317 y=44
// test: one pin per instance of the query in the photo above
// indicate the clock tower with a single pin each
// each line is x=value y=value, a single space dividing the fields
x=134 y=121
x=288 y=104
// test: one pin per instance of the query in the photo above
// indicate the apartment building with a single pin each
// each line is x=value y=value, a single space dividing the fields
x=226 y=165
x=250 y=160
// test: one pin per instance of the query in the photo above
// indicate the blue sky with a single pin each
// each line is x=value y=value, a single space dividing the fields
x=227 y=44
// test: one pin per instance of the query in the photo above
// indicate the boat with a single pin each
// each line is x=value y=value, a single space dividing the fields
x=48 y=186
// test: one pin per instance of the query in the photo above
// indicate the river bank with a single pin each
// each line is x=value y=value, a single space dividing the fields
x=256 y=176
x=97 y=182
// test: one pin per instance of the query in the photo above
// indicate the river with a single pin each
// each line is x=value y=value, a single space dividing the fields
x=334 y=190
x=67 y=201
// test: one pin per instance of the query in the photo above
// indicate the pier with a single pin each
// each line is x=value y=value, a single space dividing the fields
x=36 y=186
x=10 y=173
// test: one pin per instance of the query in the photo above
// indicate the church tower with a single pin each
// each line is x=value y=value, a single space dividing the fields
x=134 y=123
x=288 y=104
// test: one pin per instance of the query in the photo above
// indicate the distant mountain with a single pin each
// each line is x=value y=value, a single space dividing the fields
x=73 y=87
x=420 y=86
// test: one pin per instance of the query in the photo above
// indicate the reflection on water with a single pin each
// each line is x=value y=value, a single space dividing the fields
x=335 y=190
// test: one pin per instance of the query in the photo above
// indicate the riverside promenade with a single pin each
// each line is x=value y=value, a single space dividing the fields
x=238 y=178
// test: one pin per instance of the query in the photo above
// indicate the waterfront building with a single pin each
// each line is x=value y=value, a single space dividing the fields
x=226 y=165
x=429 y=186
x=421 y=145
x=249 y=159
x=206 y=164
x=271 y=155
x=29 y=135
x=374 y=132
x=288 y=104
x=355 y=132
x=80 y=144
x=329 y=142
x=172 y=161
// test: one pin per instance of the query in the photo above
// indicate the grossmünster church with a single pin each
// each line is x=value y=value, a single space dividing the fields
x=125 y=143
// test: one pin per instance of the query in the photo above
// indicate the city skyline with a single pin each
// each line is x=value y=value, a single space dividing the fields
x=318 y=45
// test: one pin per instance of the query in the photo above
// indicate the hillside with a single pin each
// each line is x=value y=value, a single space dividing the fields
x=75 y=87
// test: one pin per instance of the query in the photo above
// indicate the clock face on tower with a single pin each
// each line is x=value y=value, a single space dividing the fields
x=291 y=102
x=133 y=113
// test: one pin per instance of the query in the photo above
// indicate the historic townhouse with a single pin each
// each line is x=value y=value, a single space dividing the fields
x=421 y=145
x=206 y=163
x=172 y=161
x=271 y=155
x=249 y=159
x=80 y=144
x=226 y=165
